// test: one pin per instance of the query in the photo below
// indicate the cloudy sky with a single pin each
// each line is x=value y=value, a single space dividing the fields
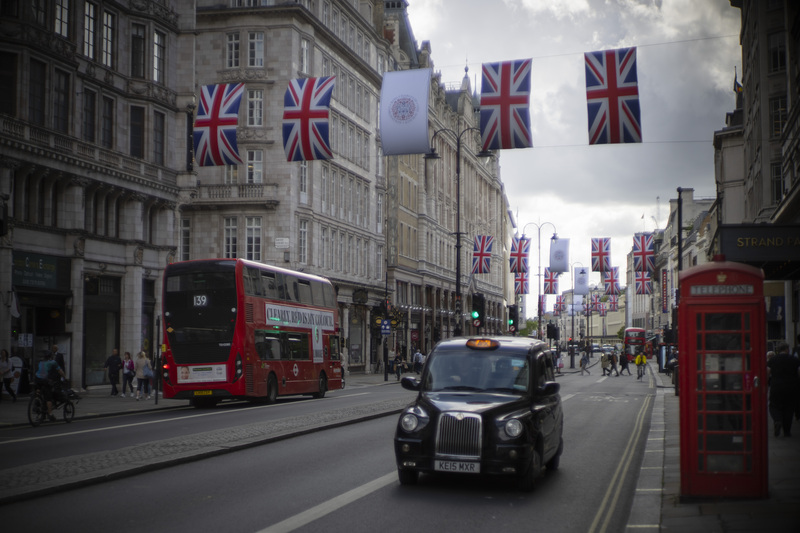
x=686 y=51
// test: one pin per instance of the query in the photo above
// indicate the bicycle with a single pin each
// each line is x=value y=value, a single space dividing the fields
x=64 y=398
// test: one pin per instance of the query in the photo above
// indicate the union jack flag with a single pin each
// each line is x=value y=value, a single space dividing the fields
x=520 y=247
x=542 y=302
x=306 y=107
x=643 y=255
x=482 y=254
x=612 y=97
x=550 y=281
x=611 y=279
x=595 y=305
x=505 y=93
x=613 y=303
x=520 y=283
x=601 y=308
x=601 y=255
x=215 y=126
x=644 y=285
x=560 y=306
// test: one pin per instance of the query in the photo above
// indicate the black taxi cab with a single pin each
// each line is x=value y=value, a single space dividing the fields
x=485 y=406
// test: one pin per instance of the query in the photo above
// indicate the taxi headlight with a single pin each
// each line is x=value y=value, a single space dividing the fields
x=513 y=428
x=409 y=422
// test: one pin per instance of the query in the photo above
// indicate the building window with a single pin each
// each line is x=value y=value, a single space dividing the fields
x=89 y=115
x=323 y=259
x=39 y=9
x=303 y=179
x=253 y=230
x=232 y=51
x=108 y=39
x=777 y=182
x=255 y=46
x=776 y=43
x=777 y=114
x=159 y=56
x=324 y=189
x=137 y=132
x=340 y=252
x=302 y=242
x=255 y=164
x=137 y=50
x=89 y=29
x=36 y=98
x=61 y=102
x=8 y=84
x=62 y=18
x=159 y=137
x=230 y=238
x=304 y=63
x=186 y=239
x=107 y=129
x=379 y=262
x=332 y=196
x=255 y=107
x=231 y=174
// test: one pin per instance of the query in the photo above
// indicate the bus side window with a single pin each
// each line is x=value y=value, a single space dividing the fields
x=269 y=286
x=297 y=344
x=304 y=292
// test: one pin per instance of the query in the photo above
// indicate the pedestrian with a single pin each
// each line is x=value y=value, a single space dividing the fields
x=128 y=373
x=613 y=360
x=59 y=358
x=417 y=361
x=784 y=388
x=143 y=380
x=7 y=374
x=605 y=364
x=398 y=366
x=114 y=365
x=623 y=364
x=585 y=363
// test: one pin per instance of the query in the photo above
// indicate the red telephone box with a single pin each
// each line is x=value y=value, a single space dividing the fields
x=723 y=381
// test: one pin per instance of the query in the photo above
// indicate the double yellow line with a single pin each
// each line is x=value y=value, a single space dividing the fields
x=611 y=497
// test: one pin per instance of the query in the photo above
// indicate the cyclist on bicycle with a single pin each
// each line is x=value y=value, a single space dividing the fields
x=641 y=361
x=48 y=376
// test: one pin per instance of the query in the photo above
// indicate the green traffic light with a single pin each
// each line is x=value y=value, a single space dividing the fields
x=475 y=314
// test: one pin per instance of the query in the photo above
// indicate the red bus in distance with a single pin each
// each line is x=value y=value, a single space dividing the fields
x=634 y=342
x=237 y=329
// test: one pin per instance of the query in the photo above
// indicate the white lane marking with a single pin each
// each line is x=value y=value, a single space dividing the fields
x=334 y=504
x=566 y=397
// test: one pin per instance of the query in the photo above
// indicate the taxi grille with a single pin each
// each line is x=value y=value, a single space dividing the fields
x=459 y=435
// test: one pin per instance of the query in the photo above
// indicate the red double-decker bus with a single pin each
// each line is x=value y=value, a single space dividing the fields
x=634 y=342
x=237 y=329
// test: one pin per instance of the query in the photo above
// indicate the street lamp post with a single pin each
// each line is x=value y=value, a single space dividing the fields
x=457 y=331
x=539 y=267
x=572 y=308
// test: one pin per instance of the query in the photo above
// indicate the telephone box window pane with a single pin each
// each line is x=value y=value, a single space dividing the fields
x=723 y=341
x=724 y=423
x=700 y=426
x=700 y=462
x=699 y=321
x=723 y=362
x=747 y=321
x=700 y=401
x=724 y=463
x=724 y=402
x=724 y=442
x=724 y=321
x=699 y=341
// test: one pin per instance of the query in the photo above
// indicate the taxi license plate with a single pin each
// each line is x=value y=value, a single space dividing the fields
x=461 y=467
x=203 y=393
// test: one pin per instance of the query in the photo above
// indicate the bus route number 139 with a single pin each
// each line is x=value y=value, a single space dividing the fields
x=200 y=300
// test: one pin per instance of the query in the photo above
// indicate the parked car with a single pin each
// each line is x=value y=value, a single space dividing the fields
x=485 y=406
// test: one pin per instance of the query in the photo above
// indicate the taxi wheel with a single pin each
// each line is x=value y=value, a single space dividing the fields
x=272 y=389
x=528 y=480
x=553 y=463
x=407 y=477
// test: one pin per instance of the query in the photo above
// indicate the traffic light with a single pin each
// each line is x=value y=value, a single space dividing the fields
x=556 y=333
x=478 y=309
x=513 y=317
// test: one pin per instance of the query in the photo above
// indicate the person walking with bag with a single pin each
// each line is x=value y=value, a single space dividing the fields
x=585 y=363
x=623 y=364
x=143 y=372
x=7 y=374
x=784 y=388
x=114 y=365
x=128 y=373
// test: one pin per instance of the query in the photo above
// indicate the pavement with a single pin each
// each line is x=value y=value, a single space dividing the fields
x=657 y=505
